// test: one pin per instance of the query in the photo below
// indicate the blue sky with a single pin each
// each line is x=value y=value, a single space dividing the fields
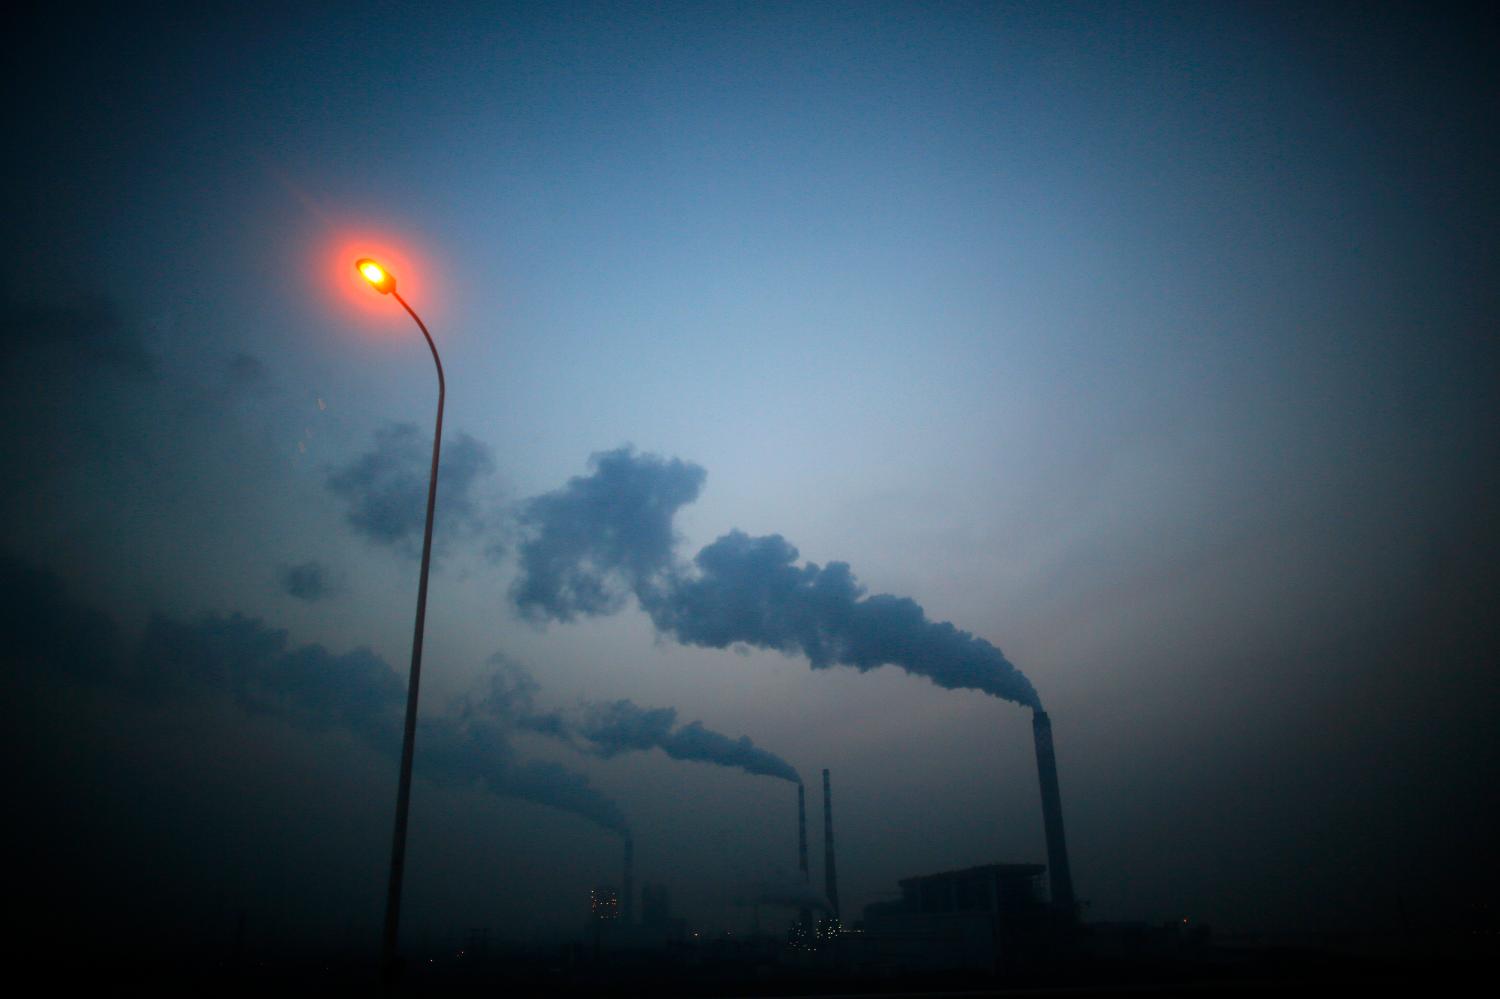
x=1153 y=344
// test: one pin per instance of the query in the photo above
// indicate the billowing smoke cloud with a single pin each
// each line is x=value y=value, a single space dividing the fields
x=509 y=696
x=611 y=532
x=601 y=536
x=386 y=488
x=50 y=635
x=310 y=581
x=616 y=727
x=750 y=590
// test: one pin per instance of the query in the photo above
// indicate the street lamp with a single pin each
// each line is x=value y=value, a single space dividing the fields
x=385 y=283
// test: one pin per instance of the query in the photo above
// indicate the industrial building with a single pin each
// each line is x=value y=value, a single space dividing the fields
x=657 y=922
x=978 y=918
x=975 y=919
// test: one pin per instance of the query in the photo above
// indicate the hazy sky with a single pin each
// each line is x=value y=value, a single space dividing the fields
x=1153 y=344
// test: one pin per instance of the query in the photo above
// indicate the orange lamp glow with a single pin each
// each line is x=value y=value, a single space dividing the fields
x=378 y=277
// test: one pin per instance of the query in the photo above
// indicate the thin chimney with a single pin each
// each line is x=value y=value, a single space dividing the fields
x=802 y=831
x=804 y=917
x=627 y=909
x=830 y=872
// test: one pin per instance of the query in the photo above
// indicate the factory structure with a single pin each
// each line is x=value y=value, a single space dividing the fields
x=973 y=919
x=830 y=870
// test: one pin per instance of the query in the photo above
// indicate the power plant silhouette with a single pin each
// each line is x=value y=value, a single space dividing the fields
x=999 y=893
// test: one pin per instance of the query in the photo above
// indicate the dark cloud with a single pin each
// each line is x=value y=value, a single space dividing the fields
x=73 y=379
x=610 y=533
x=90 y=334
x=246 y=373
x=47 y=631
x=602 y=535
x=386 y=488
x=308 y=685
x=308 y=581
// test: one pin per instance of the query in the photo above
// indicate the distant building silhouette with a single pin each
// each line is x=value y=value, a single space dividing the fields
x=604 y=904
x=656 y=915
x=977 y=918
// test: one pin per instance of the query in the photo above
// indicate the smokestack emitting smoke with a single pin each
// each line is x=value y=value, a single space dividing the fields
x=627 y=908
x=1060 y=877
x=830 y=872
x=609 y=534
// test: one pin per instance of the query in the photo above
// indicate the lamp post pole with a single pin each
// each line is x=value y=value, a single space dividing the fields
x=390 y=967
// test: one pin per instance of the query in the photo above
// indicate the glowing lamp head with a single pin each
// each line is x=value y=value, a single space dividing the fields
x=380 y=279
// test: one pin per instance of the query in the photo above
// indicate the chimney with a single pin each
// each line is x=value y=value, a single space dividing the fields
x=830 y=872
x=1059 y=875
x=802 y=831
x=804 y=917
x=627 y=909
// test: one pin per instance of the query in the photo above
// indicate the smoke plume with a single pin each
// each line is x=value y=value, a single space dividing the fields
x=622 y=726
x=50 y=636
x=601 y=536
x=385 y=489
x=464 y=751
x=309 y=581
x=612 y=728
x=610 y=532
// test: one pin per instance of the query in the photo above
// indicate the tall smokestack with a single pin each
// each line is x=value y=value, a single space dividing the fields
x=1060 y=876
x=627 y=909
x=804 y=917
x=830 y=872
x=802 y=831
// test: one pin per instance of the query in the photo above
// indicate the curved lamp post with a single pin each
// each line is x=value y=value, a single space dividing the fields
x=382 y=281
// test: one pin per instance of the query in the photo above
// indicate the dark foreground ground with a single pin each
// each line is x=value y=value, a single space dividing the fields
x=1383 y=967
